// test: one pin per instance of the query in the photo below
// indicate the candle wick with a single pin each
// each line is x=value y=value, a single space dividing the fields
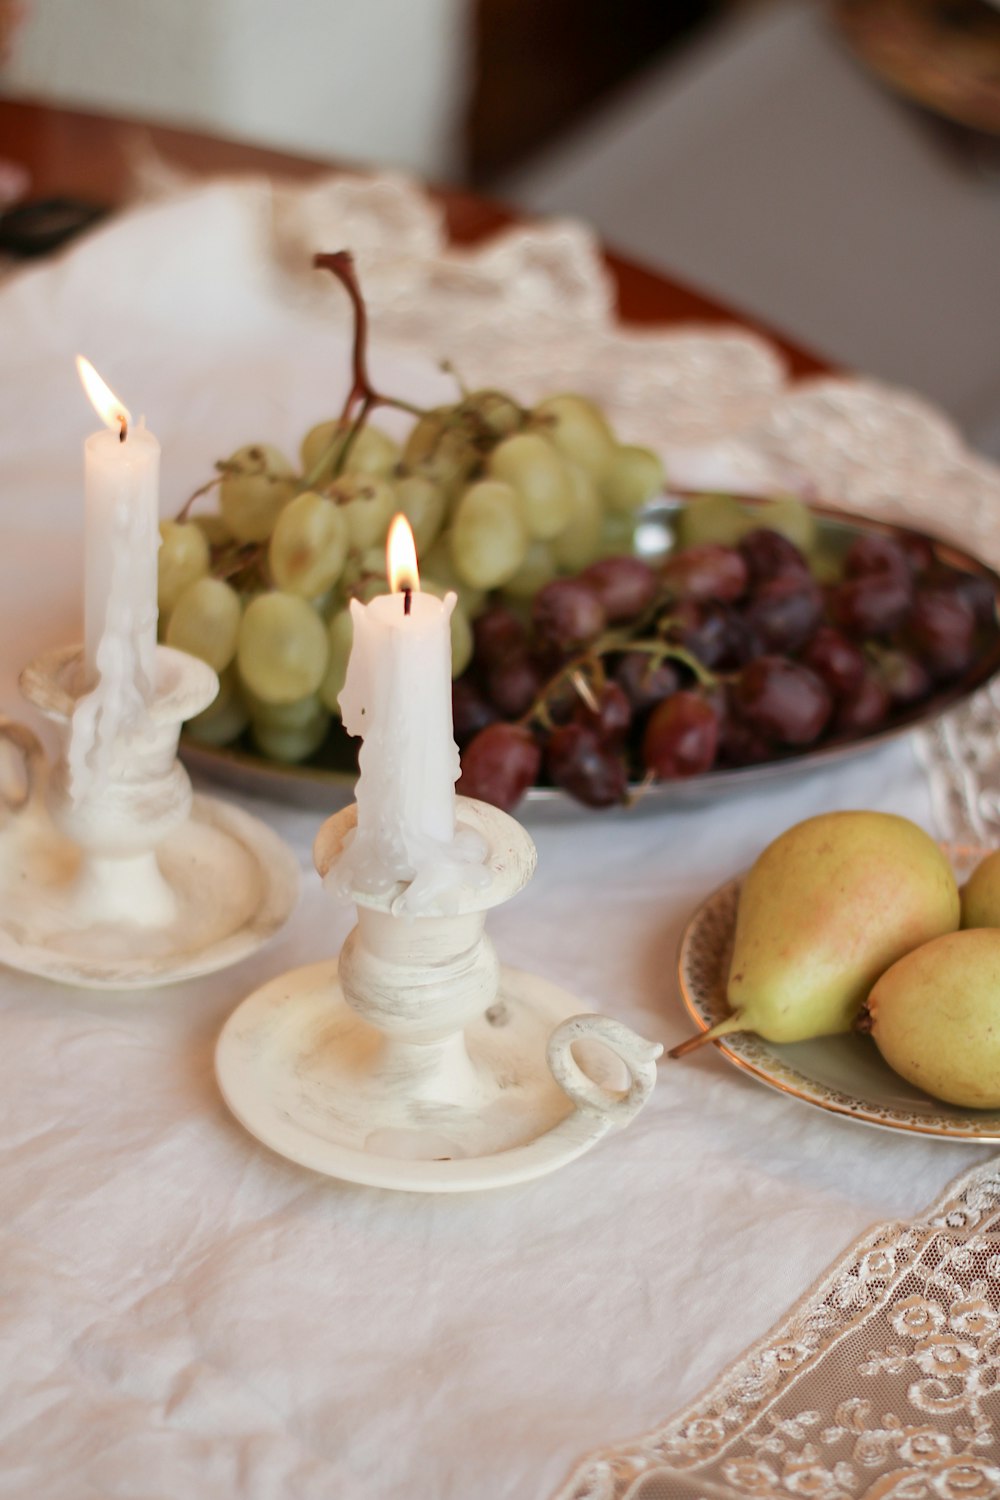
x=407 y=600
x=123 y=429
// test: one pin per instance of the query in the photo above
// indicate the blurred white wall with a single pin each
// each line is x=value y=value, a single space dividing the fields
x=364 y=80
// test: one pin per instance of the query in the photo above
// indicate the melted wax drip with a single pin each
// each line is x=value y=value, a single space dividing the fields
x=115 y=710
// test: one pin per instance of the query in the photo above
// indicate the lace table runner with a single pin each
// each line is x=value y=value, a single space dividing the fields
x=883 y=1383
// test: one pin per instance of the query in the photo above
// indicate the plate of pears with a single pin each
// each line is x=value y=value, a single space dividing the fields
x=856 y=966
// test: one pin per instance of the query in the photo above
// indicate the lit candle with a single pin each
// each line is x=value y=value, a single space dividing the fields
x=121 y=485
x=397 y=697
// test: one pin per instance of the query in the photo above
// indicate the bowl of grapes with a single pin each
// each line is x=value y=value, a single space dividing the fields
x=614 y=645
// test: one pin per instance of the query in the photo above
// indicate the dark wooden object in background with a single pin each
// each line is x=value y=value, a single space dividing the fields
x=540 y=64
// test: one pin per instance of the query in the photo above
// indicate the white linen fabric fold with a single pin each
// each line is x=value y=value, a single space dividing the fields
x=184 y=1313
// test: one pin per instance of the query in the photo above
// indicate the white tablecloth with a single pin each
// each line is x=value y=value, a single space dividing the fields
x=184 y=1313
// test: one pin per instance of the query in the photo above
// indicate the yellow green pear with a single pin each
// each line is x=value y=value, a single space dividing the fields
x=935 y=1017
x=981 y=894
x=825 y=910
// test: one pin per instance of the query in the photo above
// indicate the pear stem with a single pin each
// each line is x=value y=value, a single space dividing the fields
x=722 y=1028
x=691 y=1045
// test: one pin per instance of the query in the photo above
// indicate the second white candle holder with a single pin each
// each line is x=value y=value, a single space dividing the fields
x=131 y=881
x=417 y=1061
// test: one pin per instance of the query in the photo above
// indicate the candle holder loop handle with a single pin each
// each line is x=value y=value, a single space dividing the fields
x=27 y=745
x=638 y=1055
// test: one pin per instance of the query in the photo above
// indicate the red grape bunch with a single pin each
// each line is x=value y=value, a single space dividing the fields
x=727 y=654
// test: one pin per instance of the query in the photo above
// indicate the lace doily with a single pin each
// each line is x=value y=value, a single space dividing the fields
x=883 y=1382
x=492 y=307
x=961 y=755
x=533 y=308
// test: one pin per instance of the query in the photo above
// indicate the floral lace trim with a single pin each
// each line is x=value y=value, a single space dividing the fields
x=883 y=1382
x=961 y=755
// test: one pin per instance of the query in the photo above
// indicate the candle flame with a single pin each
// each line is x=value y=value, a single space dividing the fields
x=102 y=398
x=401 y=556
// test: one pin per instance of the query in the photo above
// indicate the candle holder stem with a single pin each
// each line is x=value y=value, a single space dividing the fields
x=128 y=889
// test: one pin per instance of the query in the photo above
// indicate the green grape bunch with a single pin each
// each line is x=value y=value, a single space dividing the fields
x=502 y=498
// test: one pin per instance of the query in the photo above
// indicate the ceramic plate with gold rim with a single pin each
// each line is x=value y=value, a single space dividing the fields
x=843 y=1074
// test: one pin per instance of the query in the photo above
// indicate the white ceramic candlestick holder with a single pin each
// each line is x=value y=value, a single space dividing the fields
x=131 y=880
x=417 y=1061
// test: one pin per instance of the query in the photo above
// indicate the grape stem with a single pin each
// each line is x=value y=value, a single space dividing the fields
x=241 y=562
x=341 y=263
x=448 y=368
x=636 y=795
x=667 y=651
x=362 y=394
x=202 y=489
x=224 y=467
x=573 y=673
x=585 y=691
x=576 y=669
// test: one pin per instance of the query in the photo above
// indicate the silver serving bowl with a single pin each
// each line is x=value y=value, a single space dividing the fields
x=326 y=781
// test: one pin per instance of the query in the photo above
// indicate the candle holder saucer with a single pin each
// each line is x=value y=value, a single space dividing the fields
x=136 y=882
x=416 y=1061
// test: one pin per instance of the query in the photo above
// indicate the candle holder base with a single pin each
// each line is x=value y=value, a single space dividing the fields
x=231 y=884
x=416 y=1061
x=131 y=882
x=306 y=1076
